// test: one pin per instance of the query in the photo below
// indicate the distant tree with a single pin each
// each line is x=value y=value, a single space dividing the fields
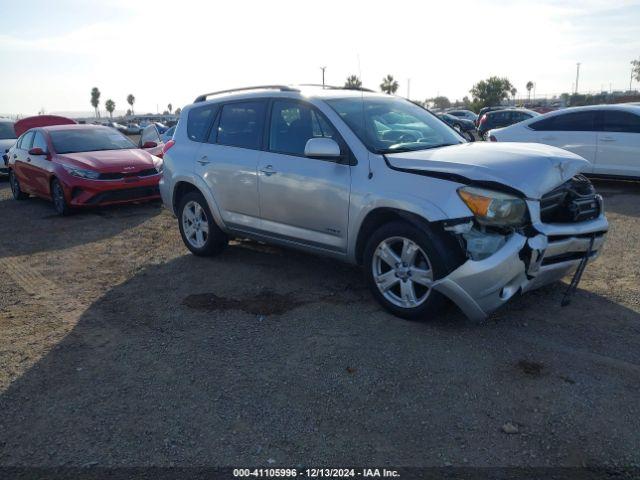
x=131 y=100
x=170 y=108
x=166 y=112
x=178 y=111
x=353 y=82
x=95 y=100
x=440 y=102
x=636 y=69
x=466 y=102
x=529 y=87
x=514 y=90
x=490 y=92
x=110 y=105
x=128 y=114
x=389 y=85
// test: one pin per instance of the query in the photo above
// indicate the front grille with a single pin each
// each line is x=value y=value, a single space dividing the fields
x=122 y=175
x=124 y=195
x=573 y=201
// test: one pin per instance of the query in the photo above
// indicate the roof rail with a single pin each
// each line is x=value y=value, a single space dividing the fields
x=282 y=88
x=333 y=87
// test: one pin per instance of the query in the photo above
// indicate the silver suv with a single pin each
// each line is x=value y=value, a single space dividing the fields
x=375 y=180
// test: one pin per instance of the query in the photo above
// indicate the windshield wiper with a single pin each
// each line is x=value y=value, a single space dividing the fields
x=408 y=149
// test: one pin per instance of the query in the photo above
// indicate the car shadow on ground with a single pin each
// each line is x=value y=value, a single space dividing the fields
x=620 y=196
x=263 y=356
x=34 y=220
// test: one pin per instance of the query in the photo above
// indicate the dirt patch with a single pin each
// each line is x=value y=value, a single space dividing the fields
x=532 y=369
x=264 y=303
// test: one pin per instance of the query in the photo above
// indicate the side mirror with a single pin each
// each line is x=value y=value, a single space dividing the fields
x=36 y=151
x=149 y=145
x=322 y=148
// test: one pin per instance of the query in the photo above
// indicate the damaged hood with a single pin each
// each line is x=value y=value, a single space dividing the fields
x=531 y=168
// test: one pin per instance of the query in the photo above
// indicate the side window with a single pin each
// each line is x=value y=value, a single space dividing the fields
x=199 y=120
x=293 y=124
x=40 y=142
x=25 y=142
x=241 y=125
x=618 y=121
x=150 y=134
x=568 y=122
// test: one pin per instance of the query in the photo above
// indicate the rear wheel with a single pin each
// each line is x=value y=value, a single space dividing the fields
x=18 y=194
x=401 y=264
x=57 y=196
x=199 y=231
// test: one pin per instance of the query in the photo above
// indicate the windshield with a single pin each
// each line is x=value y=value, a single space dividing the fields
x=390 y=125
x=6 y=131
x=89 y=140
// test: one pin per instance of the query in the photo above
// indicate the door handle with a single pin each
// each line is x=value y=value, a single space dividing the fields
x=268 y=170
x=204 y=160
x=15 y=156
x=29 y=159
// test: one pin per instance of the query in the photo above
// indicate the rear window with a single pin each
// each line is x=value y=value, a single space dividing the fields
x=241 y=125
x=199 y=121
x=568 y=122
x=6 y=131
x=89 y=140
x=622 y=122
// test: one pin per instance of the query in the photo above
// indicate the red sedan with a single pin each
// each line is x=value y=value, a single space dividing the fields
x=82 y=166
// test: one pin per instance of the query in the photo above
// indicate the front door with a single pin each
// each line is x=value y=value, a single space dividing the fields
x=21 y=167
x=302 y=199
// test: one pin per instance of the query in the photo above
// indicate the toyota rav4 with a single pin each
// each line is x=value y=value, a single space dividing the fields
x=375 y=180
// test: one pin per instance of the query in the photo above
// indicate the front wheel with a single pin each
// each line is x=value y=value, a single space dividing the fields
x=199 y=231
x=401 y=264
x=59 y=201
x=18 y=194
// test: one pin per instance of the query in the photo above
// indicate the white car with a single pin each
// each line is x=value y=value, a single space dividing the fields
x=7 y=140
x=607 y=136
x=466 y=114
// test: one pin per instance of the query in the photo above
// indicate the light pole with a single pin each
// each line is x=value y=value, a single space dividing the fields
x=577 y=75
x=323 y=69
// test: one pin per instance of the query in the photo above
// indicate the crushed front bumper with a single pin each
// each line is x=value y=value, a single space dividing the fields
x=520 y=265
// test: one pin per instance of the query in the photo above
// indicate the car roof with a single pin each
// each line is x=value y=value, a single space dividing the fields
x=55 y=128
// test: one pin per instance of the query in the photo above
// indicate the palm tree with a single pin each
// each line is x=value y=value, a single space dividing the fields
x=170 y=108
x=353 y=82
x=514 y=90
x=389 y=85
x=131 y=100
x=178 y=111
x=110 y=105
x=95 y=100
x=529 y=87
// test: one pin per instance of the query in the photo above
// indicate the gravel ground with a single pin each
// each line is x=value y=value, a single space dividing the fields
x=118 y=348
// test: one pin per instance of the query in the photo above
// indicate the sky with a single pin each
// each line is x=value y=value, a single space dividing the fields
x=53 y=52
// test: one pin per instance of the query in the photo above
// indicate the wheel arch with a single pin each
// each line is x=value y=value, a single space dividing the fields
x=186 y=185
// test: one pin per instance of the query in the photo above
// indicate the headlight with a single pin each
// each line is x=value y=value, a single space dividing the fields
x=79 y=172
x=494 y=208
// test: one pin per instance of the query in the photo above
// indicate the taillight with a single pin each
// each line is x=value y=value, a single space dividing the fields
x=167 y=146
x=483 y=119
x=492 y=138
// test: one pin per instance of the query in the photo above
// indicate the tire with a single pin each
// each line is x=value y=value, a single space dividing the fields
x=18 y=194
x=457 y=128
x=199 y=231
x=434 y=256
x=59 y=201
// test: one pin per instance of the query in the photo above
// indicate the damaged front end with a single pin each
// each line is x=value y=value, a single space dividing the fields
x=507 y=256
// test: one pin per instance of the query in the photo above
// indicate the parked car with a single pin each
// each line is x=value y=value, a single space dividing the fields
x=7 y=140
x=161 y=127
x=464 y=127
x=133 y=129
x=503 y=118
x=151 y=141
x=607 y=136
x=168 y=135
x=484 y=110
x=118 y=126
x=466 y=114
x=375 y=180
x=81 y=166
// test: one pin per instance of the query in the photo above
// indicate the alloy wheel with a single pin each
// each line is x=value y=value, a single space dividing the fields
x=195 y=224
x=58 y=197
x=402 y=272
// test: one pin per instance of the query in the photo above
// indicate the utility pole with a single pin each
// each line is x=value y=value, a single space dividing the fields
x=577 y=75
x=408 y=89
x=323 y=69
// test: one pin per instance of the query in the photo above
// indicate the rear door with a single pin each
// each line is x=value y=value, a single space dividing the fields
x=618 y=150
x=301 y=198
x=228 y=160
x=573 y=131
x=21 y=166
